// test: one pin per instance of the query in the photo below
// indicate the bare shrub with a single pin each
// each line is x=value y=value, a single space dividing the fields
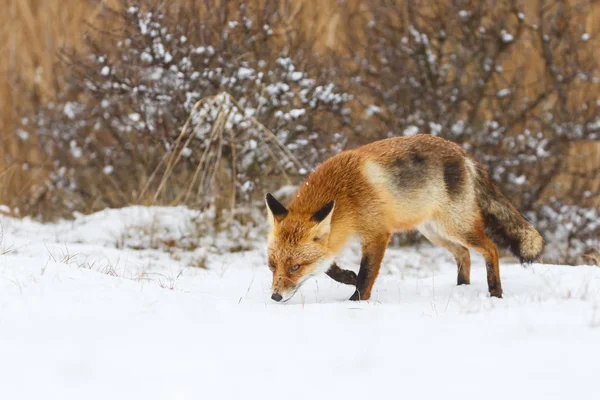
x=205 y=102
x=572 y=231
x=128 y=95
x=462 y=69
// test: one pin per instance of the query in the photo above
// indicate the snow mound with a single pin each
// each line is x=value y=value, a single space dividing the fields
x=91 y=310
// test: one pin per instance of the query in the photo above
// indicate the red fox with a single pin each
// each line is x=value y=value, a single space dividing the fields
x=418 y=182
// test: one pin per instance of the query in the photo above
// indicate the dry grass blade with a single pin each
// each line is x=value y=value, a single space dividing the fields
x=211 y=167
x=174 y=158
x=207 y=181
x=205 y=173
x=152 y=176
x=205 y=155
x=233 y=174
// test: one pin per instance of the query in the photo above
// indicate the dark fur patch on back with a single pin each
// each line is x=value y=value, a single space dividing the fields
x=417 y=158
x=453 y=177
x=409 y=171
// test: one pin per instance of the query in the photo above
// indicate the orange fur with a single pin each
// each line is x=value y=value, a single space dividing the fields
x=419 y=182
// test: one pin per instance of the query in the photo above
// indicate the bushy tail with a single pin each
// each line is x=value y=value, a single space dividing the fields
x=504 y=224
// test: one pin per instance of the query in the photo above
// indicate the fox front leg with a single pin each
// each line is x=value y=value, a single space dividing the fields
x=340 y=275
x=373 y=251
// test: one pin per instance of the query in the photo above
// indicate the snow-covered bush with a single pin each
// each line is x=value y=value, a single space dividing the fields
x=516 y=90
x=204 y=102
x=573 y=232
x=256 y=107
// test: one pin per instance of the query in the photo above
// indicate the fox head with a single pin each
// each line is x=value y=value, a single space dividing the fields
x=298 y=246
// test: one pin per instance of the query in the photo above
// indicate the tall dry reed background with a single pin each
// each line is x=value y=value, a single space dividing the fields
x=207 y=103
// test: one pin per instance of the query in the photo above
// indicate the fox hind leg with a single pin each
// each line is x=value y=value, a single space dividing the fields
x=476 y=239
x=458 y=240
x=479 y=242
x=372 y=255
x=460 y=253
x=463 y=264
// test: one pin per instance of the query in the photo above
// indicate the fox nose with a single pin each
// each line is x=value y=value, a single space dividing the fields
x=276 y=297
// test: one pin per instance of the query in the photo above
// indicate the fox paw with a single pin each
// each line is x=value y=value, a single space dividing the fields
x=344 y=276
x=355 y=296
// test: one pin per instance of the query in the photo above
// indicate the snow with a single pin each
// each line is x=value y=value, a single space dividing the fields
x=104 y=307
x=76 y=151
x=503 y=93
x=70 y=110
x=372 y=110
x=135 y=117
x=411 y=130
x=146 y=57
x=520 y=180
x=506 y=37
x=22 y=134
x=186 y=152
x=297 y=112
x=436 y=129
x=245 y=73
x=296 y=76
x=458 y=127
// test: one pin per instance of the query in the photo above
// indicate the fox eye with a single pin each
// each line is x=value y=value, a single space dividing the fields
x=294 y=268
x=271 y=266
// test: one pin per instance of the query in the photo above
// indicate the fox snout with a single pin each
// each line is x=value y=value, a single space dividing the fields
x=280 y=292
x=277 y=297
x=281 y=289
x=282 y=297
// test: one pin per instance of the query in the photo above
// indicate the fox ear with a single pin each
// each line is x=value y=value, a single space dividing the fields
x=277 y=211
x=323 y=212
x=323 y=219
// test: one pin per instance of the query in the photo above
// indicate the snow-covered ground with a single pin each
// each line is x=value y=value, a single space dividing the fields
x=105 y=307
